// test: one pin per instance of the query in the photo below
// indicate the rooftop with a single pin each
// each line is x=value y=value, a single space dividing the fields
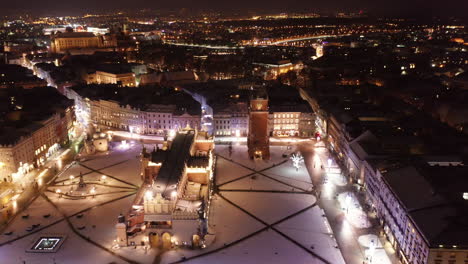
x=27 y=110
x=12 y=73
x=177 y=156
x=433 y=197
x=75 y=35
x=146 y=98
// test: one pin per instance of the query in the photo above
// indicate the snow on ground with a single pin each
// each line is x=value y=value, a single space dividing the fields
x=288 y=174
x=337 y=178
x=36 y=212
x=73 y=251
x=239 y=154
x=128 y=171
x=271 y=207
x=228 y=222
x=104 y=219
x=314 y=236
x=368 y=240
x=379 y=255
x=64 y=182
x=256 y=182
x=226 y=171
x=70 y=207
x=353 y=210
x=265 y=248
x=74 y=170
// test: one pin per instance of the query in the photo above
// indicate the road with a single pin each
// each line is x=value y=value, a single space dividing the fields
x=345 y=234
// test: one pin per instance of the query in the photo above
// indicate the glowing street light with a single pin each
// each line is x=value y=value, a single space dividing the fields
x=124 y=145
x=172 y=133
x=174 y=194
x=149 y=195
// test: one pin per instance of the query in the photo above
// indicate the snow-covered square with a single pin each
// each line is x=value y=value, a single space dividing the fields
x=261 y=212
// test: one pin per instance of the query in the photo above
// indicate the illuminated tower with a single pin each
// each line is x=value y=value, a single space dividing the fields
x=258 y=140
x=318 y=50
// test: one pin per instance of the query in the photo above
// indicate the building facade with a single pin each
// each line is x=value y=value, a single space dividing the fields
x=33 y=149
x=291 y=124
x=174 y=204
x=156 y=119
x=258 y=140
x=63 y=42
x=270 y=71
x=407 y=219
x=125 y=79
x=232 y=120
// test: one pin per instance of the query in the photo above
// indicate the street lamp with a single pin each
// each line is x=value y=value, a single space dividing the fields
x=149 y=195
x=93 y=191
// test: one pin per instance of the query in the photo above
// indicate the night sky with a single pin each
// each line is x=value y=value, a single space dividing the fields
x=378 y=7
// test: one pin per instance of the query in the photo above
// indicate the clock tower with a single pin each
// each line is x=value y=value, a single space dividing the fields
x=258 y=140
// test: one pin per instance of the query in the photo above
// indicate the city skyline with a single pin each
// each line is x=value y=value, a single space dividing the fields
x=399 y=8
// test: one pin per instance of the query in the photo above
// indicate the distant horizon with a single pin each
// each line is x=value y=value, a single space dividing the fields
x=398 y=8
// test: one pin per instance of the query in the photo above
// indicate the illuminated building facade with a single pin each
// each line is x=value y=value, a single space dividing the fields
x=125 y=79
x=63 y=42
x=258 y=140
x=154 y=119
x=291 y=124
x=173 y=209
x=34 y=144
x=422 y=224
x=232 y=120
x=270 y=71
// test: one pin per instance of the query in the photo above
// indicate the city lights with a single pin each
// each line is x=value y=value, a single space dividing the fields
x=124 y=145
x=162 y=134
x=149 y=195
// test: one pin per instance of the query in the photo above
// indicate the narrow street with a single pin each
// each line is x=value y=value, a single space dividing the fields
x=347 y=235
